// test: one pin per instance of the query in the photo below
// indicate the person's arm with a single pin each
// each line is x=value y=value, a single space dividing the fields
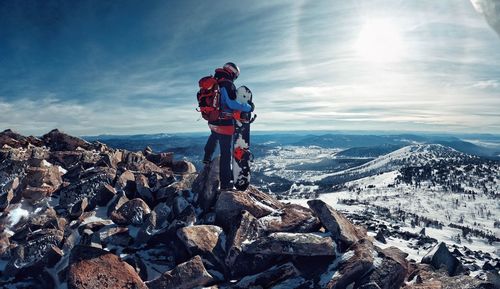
x=233 y=104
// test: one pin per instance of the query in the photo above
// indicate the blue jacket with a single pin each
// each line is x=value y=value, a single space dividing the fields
x=229 y=105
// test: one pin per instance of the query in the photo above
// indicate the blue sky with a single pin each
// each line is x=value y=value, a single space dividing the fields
x=125 y=67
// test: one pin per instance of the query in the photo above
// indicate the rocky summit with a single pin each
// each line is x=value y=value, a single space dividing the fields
x=76 y=214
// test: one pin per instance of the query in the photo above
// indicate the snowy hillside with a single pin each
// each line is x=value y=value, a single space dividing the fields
x=412 y=155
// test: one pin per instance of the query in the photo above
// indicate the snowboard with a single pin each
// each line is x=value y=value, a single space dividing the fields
x=241 y=142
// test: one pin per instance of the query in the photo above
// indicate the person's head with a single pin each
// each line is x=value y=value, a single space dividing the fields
x=232 y=69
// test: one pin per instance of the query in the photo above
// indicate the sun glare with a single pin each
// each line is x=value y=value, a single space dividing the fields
x=380 y=41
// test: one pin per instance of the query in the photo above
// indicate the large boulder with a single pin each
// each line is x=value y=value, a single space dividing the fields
x=112 y=235
x=297 y=244
x=230 y=205
x=118 y=200
x=342 y=230
x=90 y=186
x=163 y=213
x=95 y=268
x=390 y=269
x=205 y=185
x=66 y=159
x=137 y=162
x=142 y=188
x=187 y=217
x=200 y=239
x=111 y=158
x=132 y=212
x=244 y=229
x=41 y=249
x=290 y=218
x=147 y=230
x=207 y=241
x=190 y=274
x=41 y=181
x=440 y=256
x=350 y=267
x=126 y=182
x=268 y=277
x=59 y=141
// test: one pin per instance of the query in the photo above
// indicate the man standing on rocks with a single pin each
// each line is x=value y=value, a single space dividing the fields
x=222 y=129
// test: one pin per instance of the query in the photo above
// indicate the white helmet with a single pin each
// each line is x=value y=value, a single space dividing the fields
x=233 y=68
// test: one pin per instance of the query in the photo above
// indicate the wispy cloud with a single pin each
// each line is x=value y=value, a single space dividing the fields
x=484 y=84
x=116 y=74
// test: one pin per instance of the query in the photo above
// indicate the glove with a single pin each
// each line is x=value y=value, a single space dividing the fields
x=252 y=105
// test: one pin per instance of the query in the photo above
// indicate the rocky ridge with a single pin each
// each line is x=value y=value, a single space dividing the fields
x=76 y=214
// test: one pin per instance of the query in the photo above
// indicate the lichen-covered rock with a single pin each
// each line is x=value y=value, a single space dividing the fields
x=136 y=162
x=114 y=235
x=297 y=244
x=342 y=230
x=40 y=182
x=208 y=241
x=291 y=218
x=187 y=217
x=132 y=212
x=231 y=204
x=190 y=274
x=142 y=188
x=200 y=239
x=90 y=187
x=244 y=229
x=205 y=185
x=390 y=269
x=126 y=181
x=268 y=277
x=110 y=158
x=66 y=159
x=95 y=268
x=41 y=249
x=349 y=267
x=147 y=230
x=163 y=213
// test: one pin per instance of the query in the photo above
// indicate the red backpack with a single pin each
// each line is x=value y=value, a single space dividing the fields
x=209 y=98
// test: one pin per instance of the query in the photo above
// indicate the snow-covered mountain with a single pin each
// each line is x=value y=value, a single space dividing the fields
x=408 y=156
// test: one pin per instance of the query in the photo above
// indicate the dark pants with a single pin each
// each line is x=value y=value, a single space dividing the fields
x=225 y=142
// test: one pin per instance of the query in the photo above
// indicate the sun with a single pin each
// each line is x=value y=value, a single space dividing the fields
x=380 y=41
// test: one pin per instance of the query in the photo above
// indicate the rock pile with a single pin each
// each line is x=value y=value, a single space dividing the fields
x=84 y=215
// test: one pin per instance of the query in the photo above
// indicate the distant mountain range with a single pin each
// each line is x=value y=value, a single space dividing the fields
x=360 y=145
